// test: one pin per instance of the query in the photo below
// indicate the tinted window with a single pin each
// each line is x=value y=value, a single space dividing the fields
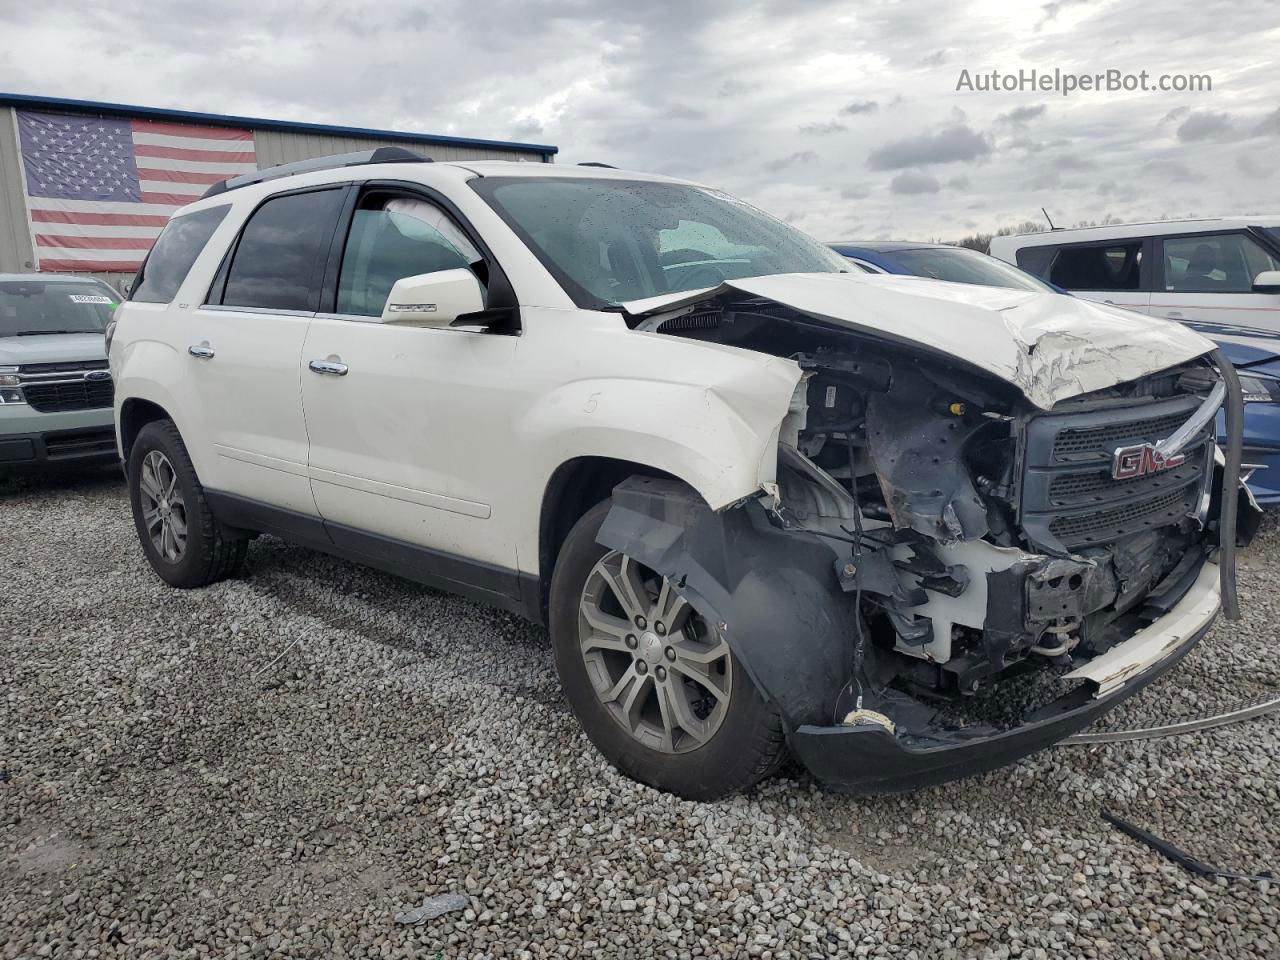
x=1114 y=267
x=609 y=241
x=279 y=260
x=1214 y=263
x=402 y=238
x=173 y=254
x=32 y=307
x=1036 y=260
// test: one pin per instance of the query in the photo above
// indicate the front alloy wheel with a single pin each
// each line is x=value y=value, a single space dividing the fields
x=657 y=688
x=662 y=673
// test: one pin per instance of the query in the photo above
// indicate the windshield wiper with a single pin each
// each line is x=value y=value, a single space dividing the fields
x=46 y=333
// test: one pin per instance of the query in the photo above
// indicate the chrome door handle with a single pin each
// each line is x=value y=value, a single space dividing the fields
x=201 y=351
x=328 y=367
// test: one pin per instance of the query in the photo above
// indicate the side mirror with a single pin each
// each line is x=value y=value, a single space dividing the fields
x=1268 y=281
x=433 y=299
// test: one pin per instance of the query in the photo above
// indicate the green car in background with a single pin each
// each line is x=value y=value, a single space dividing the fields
x=56 y=393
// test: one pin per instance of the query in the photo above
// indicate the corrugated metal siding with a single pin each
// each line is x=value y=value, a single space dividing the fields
x=15 y=236
x=276 y=146
x=272 y=147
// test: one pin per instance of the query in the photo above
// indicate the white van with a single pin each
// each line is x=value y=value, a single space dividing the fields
x=1213 y=274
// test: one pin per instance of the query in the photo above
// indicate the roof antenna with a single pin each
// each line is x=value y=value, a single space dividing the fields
x=1046 y=216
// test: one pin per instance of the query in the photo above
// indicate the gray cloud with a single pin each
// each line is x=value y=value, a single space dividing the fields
x=1270 y=123
x=958 y=183
x=822 y=129
x=1177 y=113
x=859 y=106
x=937 y=58
x=914 y=181
x=803 y=156
x=1252 y=167
x=1204 y=125
x=954 y=144
x=859 y=192
x=1019 y=116
x=1172 y=170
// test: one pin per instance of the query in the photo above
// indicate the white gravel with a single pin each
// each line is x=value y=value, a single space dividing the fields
x=163 y=799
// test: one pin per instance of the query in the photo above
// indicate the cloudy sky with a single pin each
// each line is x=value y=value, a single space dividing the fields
x=841 y=117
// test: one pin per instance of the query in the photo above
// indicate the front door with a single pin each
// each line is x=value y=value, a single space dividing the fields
x=1207 y=283
x=410 y=427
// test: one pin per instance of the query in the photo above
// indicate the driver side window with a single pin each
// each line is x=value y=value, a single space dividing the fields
x=392 y=239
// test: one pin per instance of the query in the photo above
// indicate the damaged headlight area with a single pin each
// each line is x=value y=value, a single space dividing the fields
x=949 y=577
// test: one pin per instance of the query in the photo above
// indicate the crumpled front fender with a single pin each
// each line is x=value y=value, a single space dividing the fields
x=773 y=593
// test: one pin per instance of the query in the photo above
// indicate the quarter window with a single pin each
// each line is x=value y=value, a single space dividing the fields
x=173 y=254
x=1114 y=267
x=279 y=260
x=1214 y=263
x=397 y=238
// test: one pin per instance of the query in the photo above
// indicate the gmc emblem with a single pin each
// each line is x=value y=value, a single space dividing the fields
x=1140 y=460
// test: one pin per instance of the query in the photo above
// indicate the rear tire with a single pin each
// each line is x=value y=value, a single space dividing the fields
x=184 y=543
x=733 y=738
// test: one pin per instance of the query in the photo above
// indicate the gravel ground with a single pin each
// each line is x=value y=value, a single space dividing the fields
x=169 y=792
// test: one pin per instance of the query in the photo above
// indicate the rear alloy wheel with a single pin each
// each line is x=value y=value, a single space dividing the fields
x=655 y=686
x=164 y=512
x=184 y=542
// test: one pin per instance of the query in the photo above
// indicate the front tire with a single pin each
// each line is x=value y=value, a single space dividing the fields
x=185 y=544
x=656 y=688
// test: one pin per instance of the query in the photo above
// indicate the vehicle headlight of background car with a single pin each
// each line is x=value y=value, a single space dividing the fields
x=10 y=392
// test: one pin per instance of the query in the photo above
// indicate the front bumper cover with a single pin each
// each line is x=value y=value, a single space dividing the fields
x=869 y=759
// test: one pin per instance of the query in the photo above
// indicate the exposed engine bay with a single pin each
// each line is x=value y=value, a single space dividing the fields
x=973 y=535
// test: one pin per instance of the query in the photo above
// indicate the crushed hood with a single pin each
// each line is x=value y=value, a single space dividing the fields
x=1051 y=347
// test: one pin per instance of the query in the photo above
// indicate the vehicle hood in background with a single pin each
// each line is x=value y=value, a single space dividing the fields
x=52 y=348
x=1049 y=346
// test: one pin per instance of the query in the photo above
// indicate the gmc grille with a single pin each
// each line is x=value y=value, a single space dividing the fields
x=58 y=397
x=1069 y=498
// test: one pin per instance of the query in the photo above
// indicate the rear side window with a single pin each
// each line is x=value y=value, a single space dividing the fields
x=278 y=263
x=1214 y=263
x=1114 y=267
x=173 y=254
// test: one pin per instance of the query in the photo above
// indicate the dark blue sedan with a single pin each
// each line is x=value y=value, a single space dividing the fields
x=1255 y=353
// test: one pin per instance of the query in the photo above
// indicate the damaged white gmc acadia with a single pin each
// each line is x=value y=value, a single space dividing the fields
x=907 y=530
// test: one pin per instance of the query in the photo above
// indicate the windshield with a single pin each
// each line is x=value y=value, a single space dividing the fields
x=961 y=265
x=30 y=308
x=610 y=241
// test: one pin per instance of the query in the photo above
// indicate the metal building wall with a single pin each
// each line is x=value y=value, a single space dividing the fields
x=271 y=147
x=15 y=235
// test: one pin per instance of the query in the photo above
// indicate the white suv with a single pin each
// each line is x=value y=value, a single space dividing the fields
x=761 y=501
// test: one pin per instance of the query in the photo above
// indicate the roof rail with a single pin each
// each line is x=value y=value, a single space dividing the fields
x=595 y=163
x=380 y=155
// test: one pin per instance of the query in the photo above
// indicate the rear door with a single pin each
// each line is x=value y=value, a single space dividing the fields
x=1206 y=281
x=245 y=345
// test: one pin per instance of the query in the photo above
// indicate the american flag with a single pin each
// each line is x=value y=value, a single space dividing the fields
x=99 y=190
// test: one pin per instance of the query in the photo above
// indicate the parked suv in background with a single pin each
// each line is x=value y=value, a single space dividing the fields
x=55 y=390
x=1215 y=275
x=761 y=500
